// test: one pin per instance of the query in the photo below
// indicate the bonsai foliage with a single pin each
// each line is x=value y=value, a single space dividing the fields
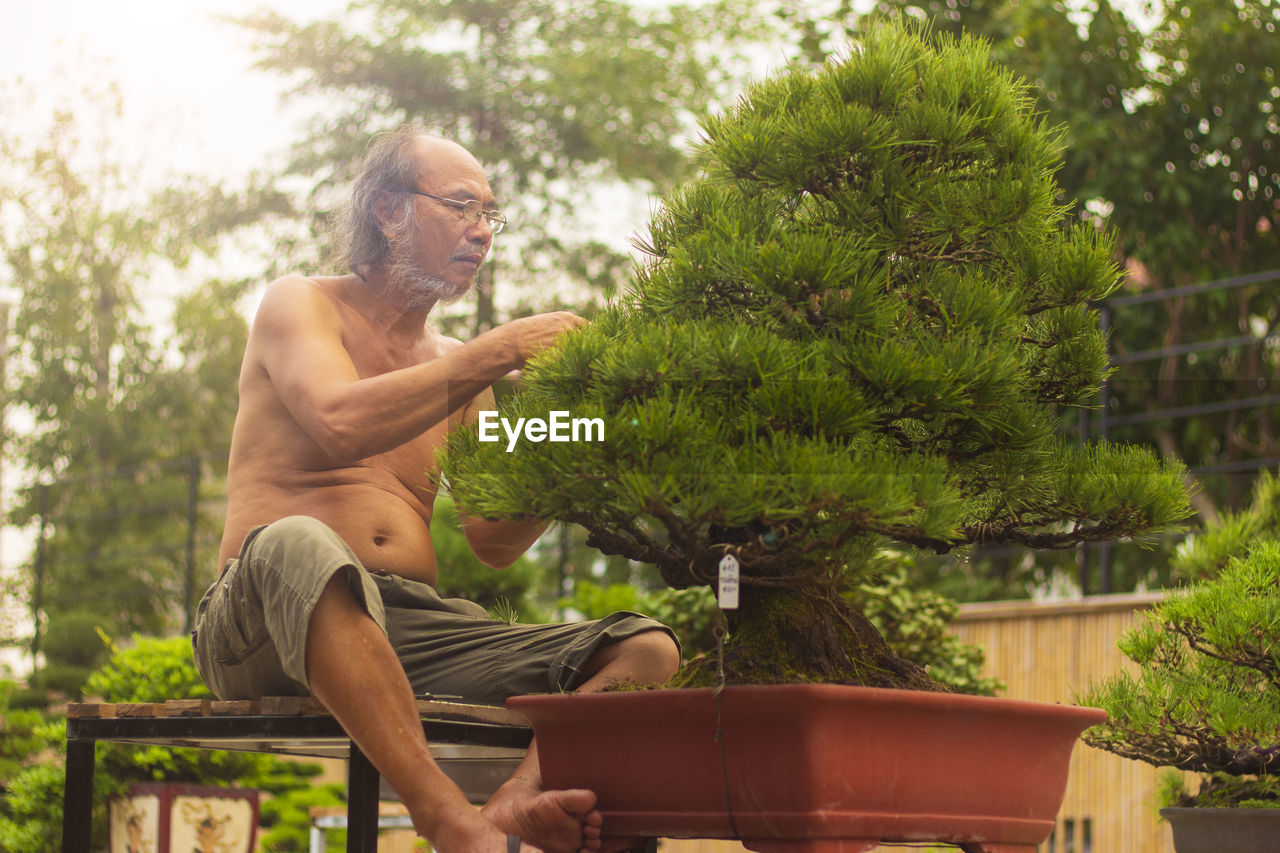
x=1206 y=553
x=858 y=325
x=1206 y=695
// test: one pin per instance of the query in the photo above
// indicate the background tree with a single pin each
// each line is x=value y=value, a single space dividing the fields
x=567 y=103
x=1170 y=136
x=1175 y=142
x=860 y=324
x=110 y=412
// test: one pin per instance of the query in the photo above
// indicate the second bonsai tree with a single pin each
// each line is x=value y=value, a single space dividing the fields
x=1205 y=695
x=859 y=326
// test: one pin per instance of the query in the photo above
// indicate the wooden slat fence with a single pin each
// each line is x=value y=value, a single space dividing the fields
x=1050 y=652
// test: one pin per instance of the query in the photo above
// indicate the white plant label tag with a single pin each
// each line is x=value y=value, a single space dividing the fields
x=728 y=592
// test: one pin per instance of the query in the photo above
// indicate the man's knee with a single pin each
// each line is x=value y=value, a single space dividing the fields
x=653 y=652
x=295 y=531
x=299 y=545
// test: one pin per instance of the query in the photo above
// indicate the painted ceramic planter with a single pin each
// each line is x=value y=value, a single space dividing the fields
x=162 y=817
x=1217 y=830
x=814 y=768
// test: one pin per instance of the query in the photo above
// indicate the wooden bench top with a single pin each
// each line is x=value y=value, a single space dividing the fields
x=289 y=725
x=281 y=706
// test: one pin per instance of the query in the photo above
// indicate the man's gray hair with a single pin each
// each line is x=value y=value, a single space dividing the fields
x=357 y=239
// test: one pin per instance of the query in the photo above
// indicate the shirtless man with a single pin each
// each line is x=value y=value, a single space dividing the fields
x=328 y=581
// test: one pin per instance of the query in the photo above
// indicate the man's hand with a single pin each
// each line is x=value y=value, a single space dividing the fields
x=533 y=334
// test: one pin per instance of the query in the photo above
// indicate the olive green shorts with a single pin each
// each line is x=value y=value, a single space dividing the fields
x=250 y=632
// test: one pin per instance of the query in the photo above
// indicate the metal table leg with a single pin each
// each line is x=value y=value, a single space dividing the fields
x=362 y=803
x=77 y=801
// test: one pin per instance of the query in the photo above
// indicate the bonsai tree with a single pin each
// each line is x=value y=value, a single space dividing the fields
x=859 y=326
x=1206 y=694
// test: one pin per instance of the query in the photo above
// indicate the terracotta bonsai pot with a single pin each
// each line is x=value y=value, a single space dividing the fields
x=1216 y=830
x=813 y=767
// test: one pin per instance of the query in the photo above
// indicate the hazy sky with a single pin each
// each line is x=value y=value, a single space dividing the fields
x=183 y=73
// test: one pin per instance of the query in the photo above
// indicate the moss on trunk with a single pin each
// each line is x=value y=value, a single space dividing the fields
x=785 y=635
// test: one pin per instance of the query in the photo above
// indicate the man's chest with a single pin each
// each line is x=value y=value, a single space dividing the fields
x=373 y=353
x=413 y=463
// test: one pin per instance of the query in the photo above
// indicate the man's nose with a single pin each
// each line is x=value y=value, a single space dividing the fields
x=481 y=232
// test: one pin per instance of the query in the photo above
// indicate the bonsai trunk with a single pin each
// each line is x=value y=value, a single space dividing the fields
x=800 y=634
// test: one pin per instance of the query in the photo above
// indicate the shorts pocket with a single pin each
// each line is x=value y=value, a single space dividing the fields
x=234 y=622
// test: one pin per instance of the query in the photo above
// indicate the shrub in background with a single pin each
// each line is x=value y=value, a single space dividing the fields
x=30 y=778
x=33 y=743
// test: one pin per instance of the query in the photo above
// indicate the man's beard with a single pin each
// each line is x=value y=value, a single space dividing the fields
x=414 y=288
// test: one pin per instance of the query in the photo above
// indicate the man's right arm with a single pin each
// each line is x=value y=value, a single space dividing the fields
x=297 y=340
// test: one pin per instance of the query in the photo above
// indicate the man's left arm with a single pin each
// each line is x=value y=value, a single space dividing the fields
x=497 y=544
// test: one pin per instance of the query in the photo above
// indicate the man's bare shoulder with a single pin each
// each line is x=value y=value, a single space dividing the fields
x=298 y=304
x=291 y=292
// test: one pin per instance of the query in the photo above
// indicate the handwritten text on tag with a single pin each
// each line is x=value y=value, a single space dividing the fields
x=728 y=591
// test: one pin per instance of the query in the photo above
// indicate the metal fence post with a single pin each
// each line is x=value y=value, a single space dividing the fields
x=1104 y=547
x=193 y=517
x=37 y=598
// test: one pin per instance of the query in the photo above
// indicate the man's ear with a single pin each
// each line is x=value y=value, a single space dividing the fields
x=385 y=213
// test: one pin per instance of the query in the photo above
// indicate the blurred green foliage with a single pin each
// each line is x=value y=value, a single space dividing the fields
x=149 y=669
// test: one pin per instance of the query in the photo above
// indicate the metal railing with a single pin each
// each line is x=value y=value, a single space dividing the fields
x=1111 y=419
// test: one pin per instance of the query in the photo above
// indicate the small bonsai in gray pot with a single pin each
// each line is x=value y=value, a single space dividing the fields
x=1206 y=694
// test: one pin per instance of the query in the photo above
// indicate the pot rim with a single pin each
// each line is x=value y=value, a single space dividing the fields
x=1181 y=810
x=826 y=692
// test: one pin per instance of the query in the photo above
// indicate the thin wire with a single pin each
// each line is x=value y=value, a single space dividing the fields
x=720 y=632
x=1192 y=289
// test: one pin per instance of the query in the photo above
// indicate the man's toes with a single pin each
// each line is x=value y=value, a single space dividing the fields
x=576 y=801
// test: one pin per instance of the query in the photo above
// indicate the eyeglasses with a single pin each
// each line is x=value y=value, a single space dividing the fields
x=472 y=210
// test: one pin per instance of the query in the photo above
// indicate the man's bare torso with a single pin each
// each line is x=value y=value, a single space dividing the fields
x=380 y=505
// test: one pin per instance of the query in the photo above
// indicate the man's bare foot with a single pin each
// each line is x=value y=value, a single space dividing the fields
x=552 y=821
